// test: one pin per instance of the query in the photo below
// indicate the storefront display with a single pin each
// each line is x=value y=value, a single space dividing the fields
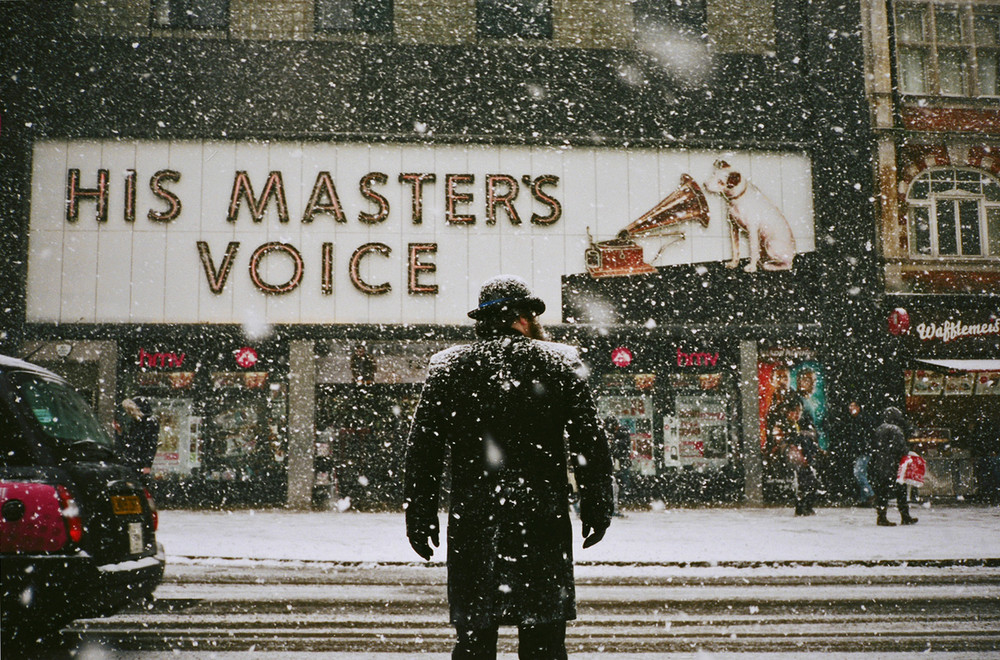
x=679 y=402
x=635 y=414
x=785 y=374
x=950 y=374
x=366 y=392
x=697 y=432
x=222 y=415
x=179 y=449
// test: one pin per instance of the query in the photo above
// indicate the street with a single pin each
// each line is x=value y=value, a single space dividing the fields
x=353 y=611
x=679 y=583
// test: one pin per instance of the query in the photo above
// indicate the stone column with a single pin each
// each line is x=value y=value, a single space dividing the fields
x=301 y=423
x=753 y=459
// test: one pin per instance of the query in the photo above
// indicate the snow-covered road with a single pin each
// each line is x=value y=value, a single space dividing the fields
x=668 y=536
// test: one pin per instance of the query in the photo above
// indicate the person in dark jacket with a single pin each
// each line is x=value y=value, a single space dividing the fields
x=855 y=437
x=889 y=446
x=797 y=436
x=621 y=458
x=141 y=436
x=503 y=407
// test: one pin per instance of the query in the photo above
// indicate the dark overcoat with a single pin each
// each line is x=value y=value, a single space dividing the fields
x=504 y=408
x=889 y=446
x=137 y=446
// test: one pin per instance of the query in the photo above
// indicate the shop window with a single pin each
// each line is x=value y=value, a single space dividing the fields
x=948 y=49
x=954 y=213
x=372 y=16
x=514 y=19
x=191 y=14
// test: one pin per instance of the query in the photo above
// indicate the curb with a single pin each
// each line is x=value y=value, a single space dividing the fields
x=989 y=562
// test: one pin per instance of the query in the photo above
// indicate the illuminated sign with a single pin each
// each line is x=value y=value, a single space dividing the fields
x=621 y=357
x=246 y=357
x=255 y=233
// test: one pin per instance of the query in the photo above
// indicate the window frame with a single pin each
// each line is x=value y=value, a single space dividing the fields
x=689 y=17
x=927 y=208
x=155 y=8
x=363 y=25
x=932 y=53
x=488 y=27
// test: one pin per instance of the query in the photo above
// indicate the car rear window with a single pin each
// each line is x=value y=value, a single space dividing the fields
x=61 y=412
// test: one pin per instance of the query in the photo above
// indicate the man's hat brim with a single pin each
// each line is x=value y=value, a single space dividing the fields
x=491 y=307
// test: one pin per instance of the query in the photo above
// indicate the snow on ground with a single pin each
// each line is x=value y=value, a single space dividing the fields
x=102 y=654
x=670 y=536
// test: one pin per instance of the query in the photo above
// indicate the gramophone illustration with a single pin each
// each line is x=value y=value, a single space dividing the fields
x=622 y=256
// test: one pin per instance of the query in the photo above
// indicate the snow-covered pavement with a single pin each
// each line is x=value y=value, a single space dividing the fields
x=665 y=536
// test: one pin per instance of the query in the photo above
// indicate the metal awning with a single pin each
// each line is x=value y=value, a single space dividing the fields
x=965 y=365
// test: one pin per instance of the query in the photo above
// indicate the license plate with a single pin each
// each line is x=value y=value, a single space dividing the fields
x=135 y=544
x=126 y=505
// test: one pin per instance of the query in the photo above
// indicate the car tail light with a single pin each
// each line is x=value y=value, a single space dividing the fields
x=152 y=509
x=71 y=514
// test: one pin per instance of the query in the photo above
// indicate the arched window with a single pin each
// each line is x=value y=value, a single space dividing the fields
x=954 y=212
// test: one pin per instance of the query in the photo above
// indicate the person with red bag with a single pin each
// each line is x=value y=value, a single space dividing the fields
x=889 y=447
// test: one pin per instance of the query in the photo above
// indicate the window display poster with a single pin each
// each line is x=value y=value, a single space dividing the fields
x=671 y=442
x=988 y=383
x=177 y=449
x=777 y=380
x=927 y=383
x=702 y=428
x=959 y=384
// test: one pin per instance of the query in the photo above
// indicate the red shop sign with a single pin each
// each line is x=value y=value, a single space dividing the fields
x=246 y=357
x=621 y=357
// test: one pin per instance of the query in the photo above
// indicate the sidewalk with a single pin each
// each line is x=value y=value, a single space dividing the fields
x=670 y=537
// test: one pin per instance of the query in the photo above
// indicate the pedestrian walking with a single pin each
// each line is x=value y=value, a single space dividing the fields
x=139 y=439
x=889 y=446
x=621 y=458
x=797 y=437
x=502 y=407
x=855 y=438
x=984 y=446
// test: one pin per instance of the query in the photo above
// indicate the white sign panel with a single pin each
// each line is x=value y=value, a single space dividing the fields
x=305 y=232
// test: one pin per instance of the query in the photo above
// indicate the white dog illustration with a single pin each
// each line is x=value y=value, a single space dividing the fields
x=751 y=211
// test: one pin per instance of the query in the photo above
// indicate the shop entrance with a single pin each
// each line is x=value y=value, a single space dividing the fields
x=956 y=418
x=243 y=439
x=361 y=442
x=683 y=435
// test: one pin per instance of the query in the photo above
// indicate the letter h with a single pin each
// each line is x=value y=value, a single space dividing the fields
x=74 y=192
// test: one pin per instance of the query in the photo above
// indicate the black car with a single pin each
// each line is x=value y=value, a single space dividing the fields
x=77 y=528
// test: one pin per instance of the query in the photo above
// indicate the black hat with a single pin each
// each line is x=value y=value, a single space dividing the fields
x=503 y=293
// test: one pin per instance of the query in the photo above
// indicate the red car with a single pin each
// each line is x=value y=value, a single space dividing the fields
x=77 y=528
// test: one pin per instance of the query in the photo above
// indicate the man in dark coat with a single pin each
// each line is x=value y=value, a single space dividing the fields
x=621 y=459
x=853 y=443
x=137 y=444
x=889 y=446
x=503 y=408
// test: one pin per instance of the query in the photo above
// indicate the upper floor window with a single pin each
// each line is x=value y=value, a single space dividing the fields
x=191 y=14
x=519 y=19
x=354 y=15
x=948 y=49
x=954 y=213
x=688 y=17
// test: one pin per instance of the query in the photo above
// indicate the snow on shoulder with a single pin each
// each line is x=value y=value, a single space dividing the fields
x=446 y=358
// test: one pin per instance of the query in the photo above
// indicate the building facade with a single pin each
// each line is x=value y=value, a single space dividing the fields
x=266 y=216
x=933 y=79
